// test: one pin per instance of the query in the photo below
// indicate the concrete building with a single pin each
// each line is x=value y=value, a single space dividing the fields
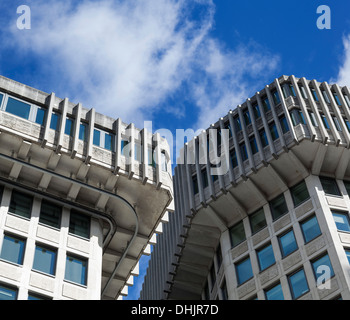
x=276 y=224
x=82 y=197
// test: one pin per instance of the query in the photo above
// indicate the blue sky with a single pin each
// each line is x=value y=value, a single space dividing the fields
x=178 y=63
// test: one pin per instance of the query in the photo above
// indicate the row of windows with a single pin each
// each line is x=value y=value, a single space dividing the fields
x=11 y=293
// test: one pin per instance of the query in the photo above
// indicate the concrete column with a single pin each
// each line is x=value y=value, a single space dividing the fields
x=48 y=118
x=78 y=109
x=62 y=125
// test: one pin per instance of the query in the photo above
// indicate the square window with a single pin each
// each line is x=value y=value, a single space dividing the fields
x=330 y=186
x=13 y=249
x=266 y=257
x=8 y=293
x=278 y=207
x=237 y=234
x=244 y=271
x=298 y=284
x=274 y=293
x=18 y=108
x=310 y=228
x=50 y=214
x=299 y=193
x=21 y=204
x=322 y=267
x=257 y=220
x=79 y=224
x=287 y=243
x=341 y=220
x=45 y=259
x=76 y=269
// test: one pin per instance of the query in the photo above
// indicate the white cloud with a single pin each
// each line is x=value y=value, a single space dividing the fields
x=343 y=77
x=125 y=58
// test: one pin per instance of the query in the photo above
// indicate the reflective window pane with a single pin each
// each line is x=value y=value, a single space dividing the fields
x=257 y=220
x=55 y=120
x=341 y=220
x=21 y=204
x=237 y=234
x=76 y=270
x=274 y=293
x=244 y=271
x=12 y=249
x=278 y=207
x=298 y=284
x=79 y=224
x=266 y=257
x=323 y=268
x=18 y=108
x=50 y=214
x=288 y=243
x=7 y=293
x=310 y=229
x=40 y=116
x=299 y=193
x=45 y=260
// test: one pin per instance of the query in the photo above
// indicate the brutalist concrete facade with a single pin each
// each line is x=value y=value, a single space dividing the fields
x=294 y=133
x=58 y=153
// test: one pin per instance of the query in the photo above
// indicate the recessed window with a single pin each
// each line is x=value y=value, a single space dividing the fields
x=244 y=152
x=337 y=124
x=246 y=117
x=299 y=193
x=256 y=111
x=195 y=184
x=313 y=119
x=266 y=257
x=50 y=214
x=303 y=92
x=224 y=292
x=337 y=100
x=287 y=243
x=278 y=207
x=45 y=259
x=330 y=186
x=79 y=224
x=68 y=129
x=55 y=121
x=322 y=267
x=237 y=122
x=263 y=138
x=298 y=284
x=104 y=140
x=204 y=178
x=314 y=94
x=347 y=100
x=233 y=157
x=310 y=228
x=297 y=117
x=83 y=131
x=1 y=99
x=325 y=121
x=40 y=116
x=284 y=124
x=244 y=271
x=138 y=152
x=276 y=97
x=76 y=269
x=13 y=249
x=35 y=296
x=237 y=234
x=347 y=252
x=8 y=292
x=18 y=108
x=257 y=220
x=21 y=204
x=253 y=145
x=266 y=104
x=341 y=220
x=274 y=293
x=325 y=96
x=273 y=131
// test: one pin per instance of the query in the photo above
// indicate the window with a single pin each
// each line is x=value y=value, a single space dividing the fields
x=13 y=249
x=50 y=214
x=244 y=271
x=257 y=220
x=341 y=220
x=68 y=129
x=204 y=178
x=274 y=132
x=8 y=293
x=287 y=243
x=278 y=207
x=246 y=117
x=263 y=138
x=314 y=94
x=1 y=99
x=244 y=152
x=55 y=120
x=195 y=184
x=35 y=296
x=313 y=119
x=237 y=234
x=238 y=125
x=21 y=204
x=256 y=111
x=83 y=131
x=347 y=100
x=297 y=117
x=79 y=224
x=274 y=293
x=325 y=96
x=1 y=192
x=125 y=149
x=322 y=267
x=76 y=269
x=336 y=99
x=138 y=152
x=266 y=104
x=346 y=184
x=310 y=228
x=347 y=252
x=45 y=259
x=18 y=108
x=284 y=124
x=266 y=257
x=325 y=122
x=40 y=116
x=218 y=256
x=303 y=92
x=276 y=97
x=253 y=145
x=330 y=186
x=347 y=124
x=233 y=158
x=298 y=284
x=299 y=193
x=104 y=140
x=337 y=124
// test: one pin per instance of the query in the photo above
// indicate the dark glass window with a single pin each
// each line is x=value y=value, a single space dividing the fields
x=79 y=224
x=204 y=178
x=108 y=141
x=246 y=117
x=55 y=120
x=35 y=296
x=287 y=243
x=244 y=152
x=8 y=293
x=263 y=138
x=298 y=284
x=45 y=259
x=237 y=234
x=50 y=214
x=325 y=122
x=69 y=127
x=21 y=204
x=266 y=104
x=256 y=111
x=195 y=184
x=83 y=131
x=97 y=138
x=257 y=220
x=18 y=108
x=278 y=207
x=274 y=132
x=233 y=157
x=13 y=249
x=1 y=99
x=337 y=100
x=274 y=293
x=284 y=124
x=276 y=97
x=76 y=269
x=244 y=271
x=266 y=257
x=40 y=116
x=314 y=94
x=299 y=193
x=253 y=145
x=310 y=228
x=330 y=186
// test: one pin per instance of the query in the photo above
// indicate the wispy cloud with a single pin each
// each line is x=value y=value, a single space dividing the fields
x=125 y=58
x=343 y=77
